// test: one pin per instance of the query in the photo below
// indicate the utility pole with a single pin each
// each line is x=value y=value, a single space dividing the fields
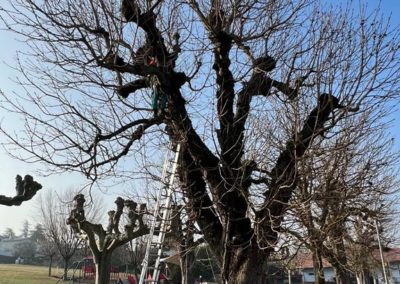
x=381 y=252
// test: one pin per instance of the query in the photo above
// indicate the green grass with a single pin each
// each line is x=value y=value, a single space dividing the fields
x=27 y=274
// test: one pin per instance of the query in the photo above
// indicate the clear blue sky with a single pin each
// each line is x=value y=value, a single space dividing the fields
x=14 y=216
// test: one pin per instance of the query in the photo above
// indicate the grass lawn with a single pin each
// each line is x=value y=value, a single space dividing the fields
x=27 y=274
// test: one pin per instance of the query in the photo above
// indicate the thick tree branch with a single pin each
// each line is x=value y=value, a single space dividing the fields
x=201 y=206
x=25 y=188
x=284 y=88
x=283 y=175
x=258 y=85
x=131 y=87
x=136 y=68
x=225 y=94
x=181 y=129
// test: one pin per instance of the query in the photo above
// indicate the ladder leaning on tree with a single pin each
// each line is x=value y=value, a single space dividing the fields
x=163 y=203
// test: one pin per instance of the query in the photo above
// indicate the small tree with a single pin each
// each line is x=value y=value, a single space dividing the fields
x=45 y=245
x=102 y=242
x=47 y=248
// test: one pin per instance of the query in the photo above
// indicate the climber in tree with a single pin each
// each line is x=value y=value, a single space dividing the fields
x=158 y=97
x=146 y=55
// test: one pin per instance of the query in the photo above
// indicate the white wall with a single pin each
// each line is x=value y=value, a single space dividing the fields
x=308 y=274
x=7 y=246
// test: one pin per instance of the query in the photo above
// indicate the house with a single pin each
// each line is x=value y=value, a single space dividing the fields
x=7 y=245
x=391 y=259
x=304 y=266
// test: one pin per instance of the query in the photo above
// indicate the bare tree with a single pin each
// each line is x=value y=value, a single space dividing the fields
x=338 y=187
x=102 y=242
x=48 y=248
x=9 y=233
x=46 y=245
x=25 y=229
x=54 y=211
x=212 y=71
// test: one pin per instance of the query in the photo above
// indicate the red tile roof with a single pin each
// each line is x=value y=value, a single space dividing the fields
x=304 y=260
x=389 y=255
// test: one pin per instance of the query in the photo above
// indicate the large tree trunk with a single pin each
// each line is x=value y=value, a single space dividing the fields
x=364 y=278
x=342 y=276
x=187 y=258
x=186 y=262
x=339 y=258
x=50 y=264
x=247 y=265
x=339 y=264
x=103 y=265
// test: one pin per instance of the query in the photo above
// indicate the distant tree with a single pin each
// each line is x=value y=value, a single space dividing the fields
x=120 y=255
x=37 y=233
x=47 y=247
x=25 y=229
x=182 y=239
x=9 y=233
x=25 y=188
x=102 y=242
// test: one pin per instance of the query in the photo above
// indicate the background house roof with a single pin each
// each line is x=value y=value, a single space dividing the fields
x=304 y=260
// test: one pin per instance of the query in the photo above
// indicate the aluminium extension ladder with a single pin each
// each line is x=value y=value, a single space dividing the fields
x=163 y=202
